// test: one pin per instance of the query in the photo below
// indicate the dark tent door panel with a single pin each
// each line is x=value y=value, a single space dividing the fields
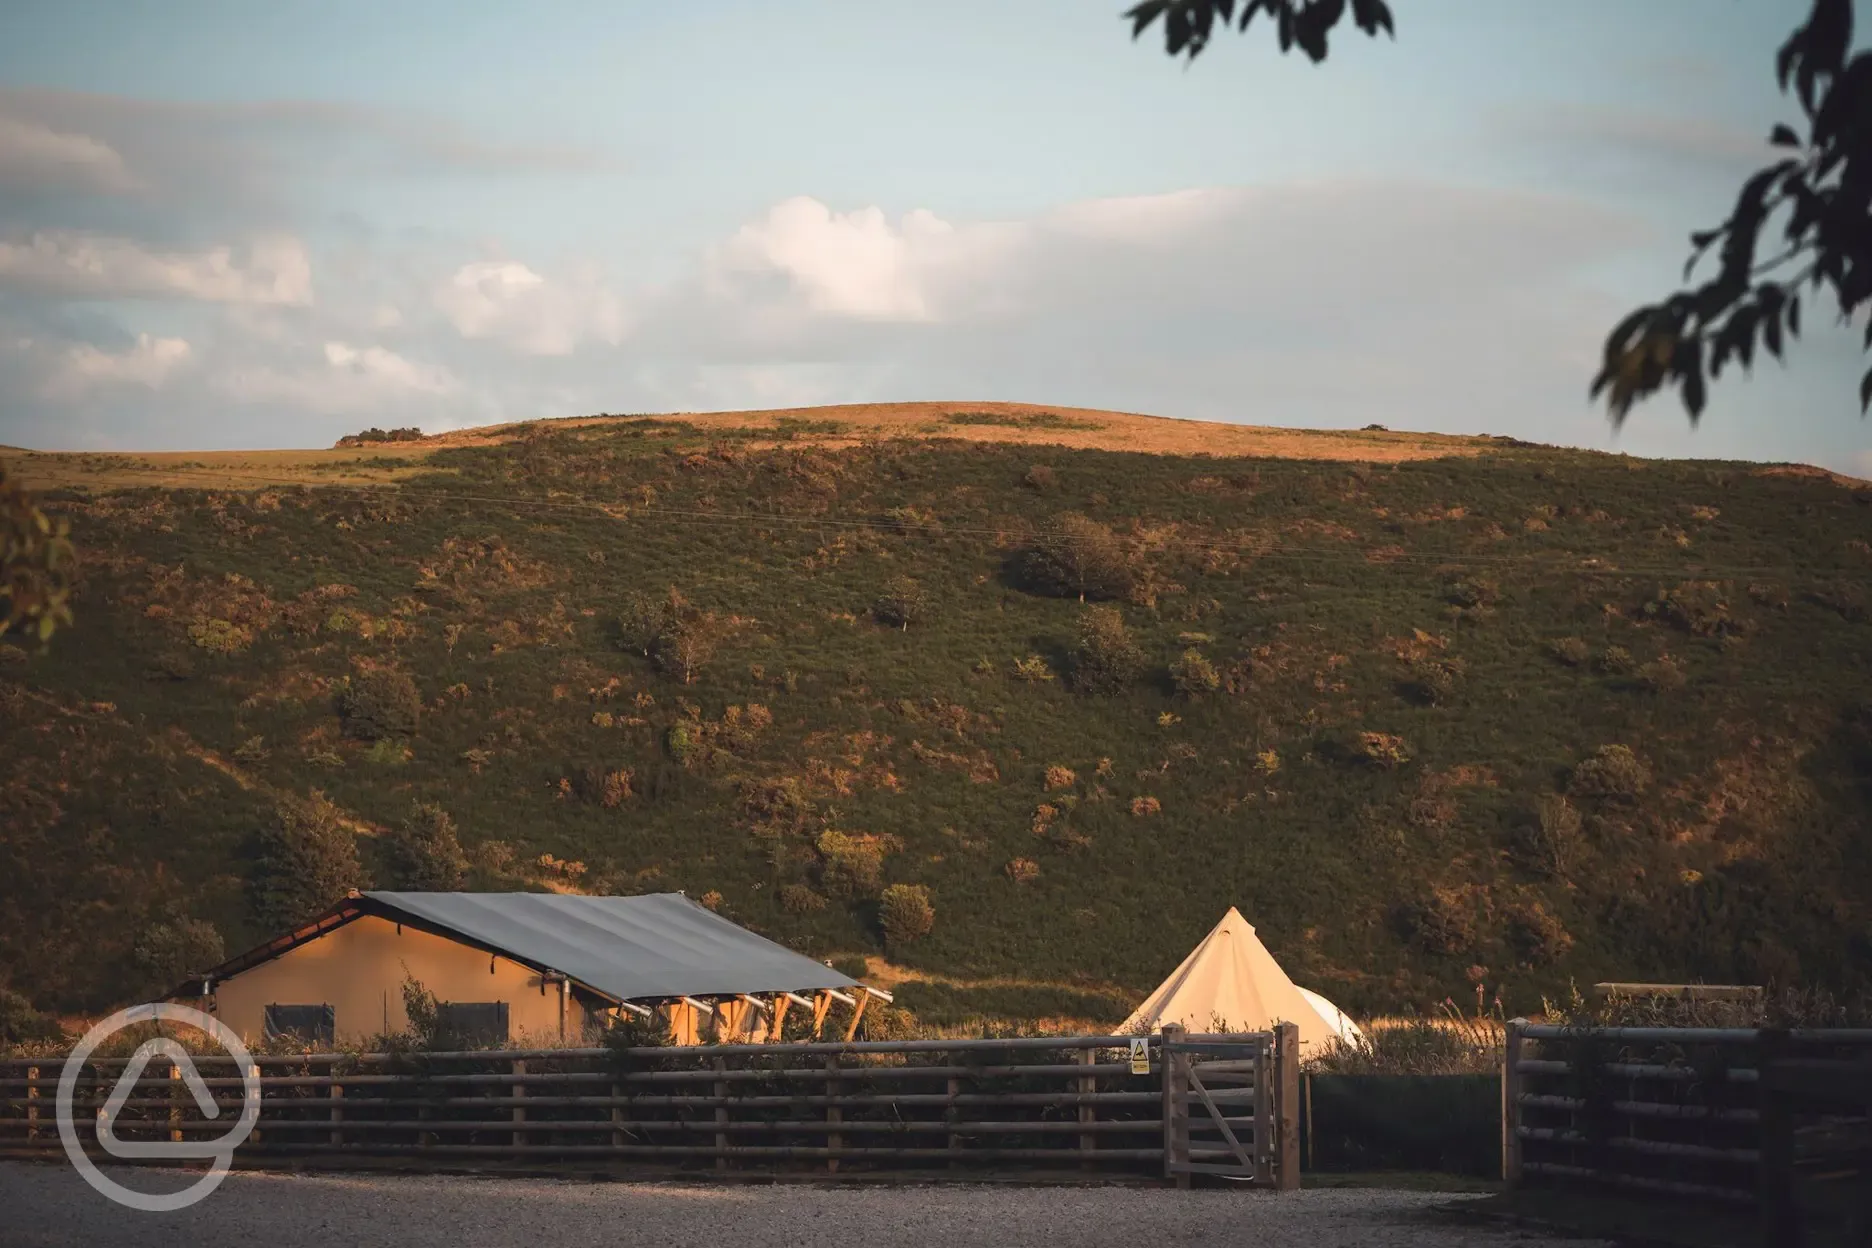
x=472 y=1023
x=309 y=1024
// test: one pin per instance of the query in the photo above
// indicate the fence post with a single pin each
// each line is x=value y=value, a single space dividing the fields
x=32 y=1105
x=1286 y=1107
x=1088 y=1141
x=1511 y=1103
x=254 y=1070
x=337 y=1110
x=1175 y=1106
x=175 y=1103
x=519 y=1111
x=952 y=1113
x=721 y=1115
x=617 y=1115
x=833 y=1113
x=1264 y=1085
x=1779 y=1223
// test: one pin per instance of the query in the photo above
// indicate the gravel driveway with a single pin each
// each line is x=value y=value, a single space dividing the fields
x=44 y=1206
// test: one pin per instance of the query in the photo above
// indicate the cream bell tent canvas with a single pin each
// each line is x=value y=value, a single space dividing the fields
x=1335 y=1018
x=1230 y=982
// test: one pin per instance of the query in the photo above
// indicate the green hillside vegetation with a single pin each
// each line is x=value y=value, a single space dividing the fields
x=994 y=711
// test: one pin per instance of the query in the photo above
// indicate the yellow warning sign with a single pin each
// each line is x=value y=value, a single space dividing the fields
x=1140 y=1056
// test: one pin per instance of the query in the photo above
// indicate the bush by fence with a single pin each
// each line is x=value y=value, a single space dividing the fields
x=1445 y=1123
x=941 y=1005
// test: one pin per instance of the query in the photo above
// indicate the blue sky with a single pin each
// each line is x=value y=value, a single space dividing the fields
x=226 y=224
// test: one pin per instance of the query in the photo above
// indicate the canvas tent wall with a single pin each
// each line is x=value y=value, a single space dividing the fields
x=1335 y=1018
x=1230 y=982
x=545 y=963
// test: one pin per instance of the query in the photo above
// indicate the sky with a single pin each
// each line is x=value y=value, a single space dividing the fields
x=230 y=225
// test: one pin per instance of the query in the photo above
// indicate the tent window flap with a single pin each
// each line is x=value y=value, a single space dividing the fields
x=473 y=1022
x=314 y=1024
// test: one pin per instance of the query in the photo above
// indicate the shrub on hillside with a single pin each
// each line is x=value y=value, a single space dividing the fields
x=1569 y=650
x=378 y=703
x=1022 y=870
x=305 y=860
x=1616 y=661
x=1473 y=591
x=1193 y=675
x=851 y=966
x=1537 y=935
x=606 y=786
x=801 y=899
x=1383 y=750
x=220 y=636
x=902 y=603
x=1662 y=676
x=1076 y=557
x=1694 y=607
x=423 y=852
x=1106 y=658
x=1612 y=774
x=851 y=864
x=1442 y=922
x=1554 y=836
x=172 y=947
x=906 y=915
x=366 y=437
x=1032 y=670
x=21 y=1024
x=1432 y=682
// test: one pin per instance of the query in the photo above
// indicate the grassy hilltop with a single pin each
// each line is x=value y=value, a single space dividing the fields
x=1370 y=687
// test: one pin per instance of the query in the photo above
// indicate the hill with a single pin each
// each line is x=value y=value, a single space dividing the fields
x=1370 y=687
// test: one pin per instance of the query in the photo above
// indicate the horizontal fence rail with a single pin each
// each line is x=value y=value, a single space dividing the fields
x=1053 y=1102
x=1776 y=1124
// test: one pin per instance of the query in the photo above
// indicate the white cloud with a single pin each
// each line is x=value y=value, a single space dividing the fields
x=1411 y=304
x=79 y=370
x=68 y=264
x=37 y=157
x=509 y=302
x=846 y=264
x=387 y=370
x=352 y=379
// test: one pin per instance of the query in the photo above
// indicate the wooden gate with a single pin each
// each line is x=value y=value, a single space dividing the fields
x=1229 y=1106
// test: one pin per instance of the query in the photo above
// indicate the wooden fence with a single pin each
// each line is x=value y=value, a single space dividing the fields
x=1776 y=1124
x=1039 y=1103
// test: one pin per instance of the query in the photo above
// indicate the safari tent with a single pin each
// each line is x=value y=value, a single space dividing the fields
x=507 y=967
x=1230 y=982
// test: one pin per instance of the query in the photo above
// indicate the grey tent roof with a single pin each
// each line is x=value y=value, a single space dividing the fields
x=632 y=948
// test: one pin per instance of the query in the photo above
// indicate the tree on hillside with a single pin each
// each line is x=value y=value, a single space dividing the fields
x=174 y=946
x=1819 y=192
x=672 y=632
x=36 y=562
x=1107 y=658
x=306 y=860
x=424 y=853
x=1073 y=556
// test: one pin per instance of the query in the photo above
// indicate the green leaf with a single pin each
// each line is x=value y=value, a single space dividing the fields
x=1865 y=393
x=1793 y=315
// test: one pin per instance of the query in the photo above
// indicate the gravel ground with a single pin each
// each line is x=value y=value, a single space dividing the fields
x=44 y=1206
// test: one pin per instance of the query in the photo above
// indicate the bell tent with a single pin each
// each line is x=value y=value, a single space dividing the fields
x=1230 y=982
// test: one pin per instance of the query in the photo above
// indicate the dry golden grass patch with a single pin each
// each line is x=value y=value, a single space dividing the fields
x=388 y=462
